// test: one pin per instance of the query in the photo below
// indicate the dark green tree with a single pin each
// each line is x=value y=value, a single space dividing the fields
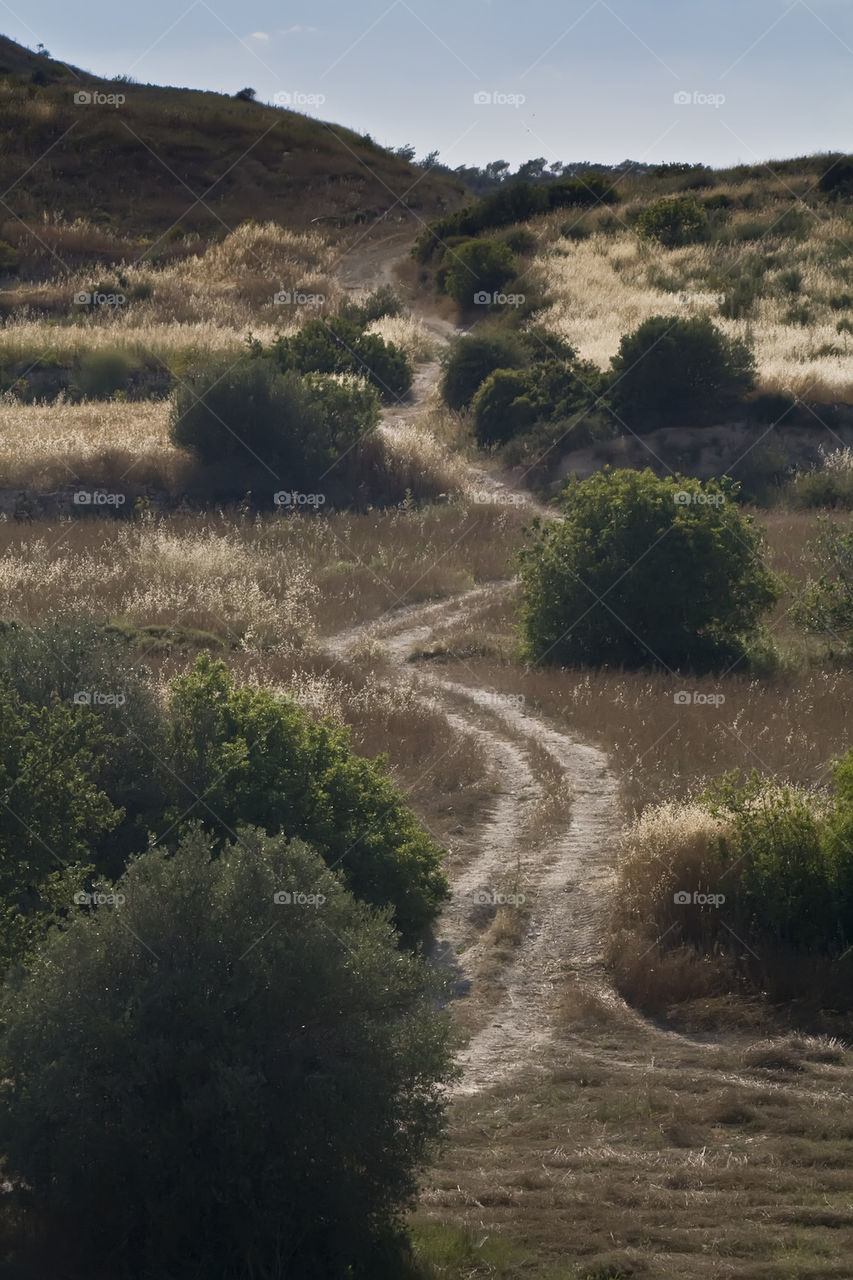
x=680 y=370
x=232 y=1072
x=239 y=754
x=643 y=571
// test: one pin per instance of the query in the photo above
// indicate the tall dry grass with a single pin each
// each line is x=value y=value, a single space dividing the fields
x=253 y=580
x=102 y=442
x=183 y=309
x=607 y=284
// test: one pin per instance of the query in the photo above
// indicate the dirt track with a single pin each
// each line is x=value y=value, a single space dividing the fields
x=566 y=877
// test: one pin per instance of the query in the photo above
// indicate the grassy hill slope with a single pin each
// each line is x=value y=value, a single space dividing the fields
x=194 y=161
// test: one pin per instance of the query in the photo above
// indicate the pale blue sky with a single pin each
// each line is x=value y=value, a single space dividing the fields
x=598 y=77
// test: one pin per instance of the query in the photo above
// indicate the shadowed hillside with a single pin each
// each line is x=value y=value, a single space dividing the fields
x=143 y=159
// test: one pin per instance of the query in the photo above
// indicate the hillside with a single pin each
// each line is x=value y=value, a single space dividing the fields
x=150 y=158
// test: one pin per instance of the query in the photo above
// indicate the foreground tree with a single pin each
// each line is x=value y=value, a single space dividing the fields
x=232 y=1072
x=643 y=572
x=243 y=755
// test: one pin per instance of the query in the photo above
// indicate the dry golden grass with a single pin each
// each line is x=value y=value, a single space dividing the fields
x=606 y=285
x=172 y=344
x=120 y=444
x=43 y=446
x=192 y=306
x=253 y=580
x=407 y=332
x=647 y=1155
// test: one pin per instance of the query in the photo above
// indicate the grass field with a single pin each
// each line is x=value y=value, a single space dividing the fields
x=777 y=268
x=713 y=1144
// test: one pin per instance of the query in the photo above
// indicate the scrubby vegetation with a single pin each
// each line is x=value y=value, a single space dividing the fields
x=214 y=753
x=295 y=471
x=645 y=572
x=242 y=1059
x=747 y=886
x=676 y=370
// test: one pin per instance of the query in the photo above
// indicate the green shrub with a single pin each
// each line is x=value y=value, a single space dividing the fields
x=382 y=302
x=260 y=759
x=838 y=845
x=341 y=346
x=202 y=1081
x=470 y=360
x=520 y=240
x=100 y=373
x=673 y=220
x=254 y=423
x=516 y=202
x=67 y=658
x=9 y=258
x=549 y=390
x=672 y=369
x=837 y=180
x=478 y=266
x=502 y=407
x=825 y=606
x=52 y=804
x=643 y=571
x=93 y=761
x=350 y=406
x=819 y=487
x=782 y=891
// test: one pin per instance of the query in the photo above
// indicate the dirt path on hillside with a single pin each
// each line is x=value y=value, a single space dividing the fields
x=564 y=877
x=565 y=880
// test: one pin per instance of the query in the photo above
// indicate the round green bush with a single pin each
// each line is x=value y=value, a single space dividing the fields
x=837 y=180
x=228 y=1071
x=502 y=407
x=673 y=369
x=472 y=358
x=254 y=422
x=259 y=759
x=478 y=267
x=673 y=220
x=644 y=572
x=341 y=346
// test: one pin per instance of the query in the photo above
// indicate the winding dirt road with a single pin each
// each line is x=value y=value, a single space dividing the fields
x=565 y=876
